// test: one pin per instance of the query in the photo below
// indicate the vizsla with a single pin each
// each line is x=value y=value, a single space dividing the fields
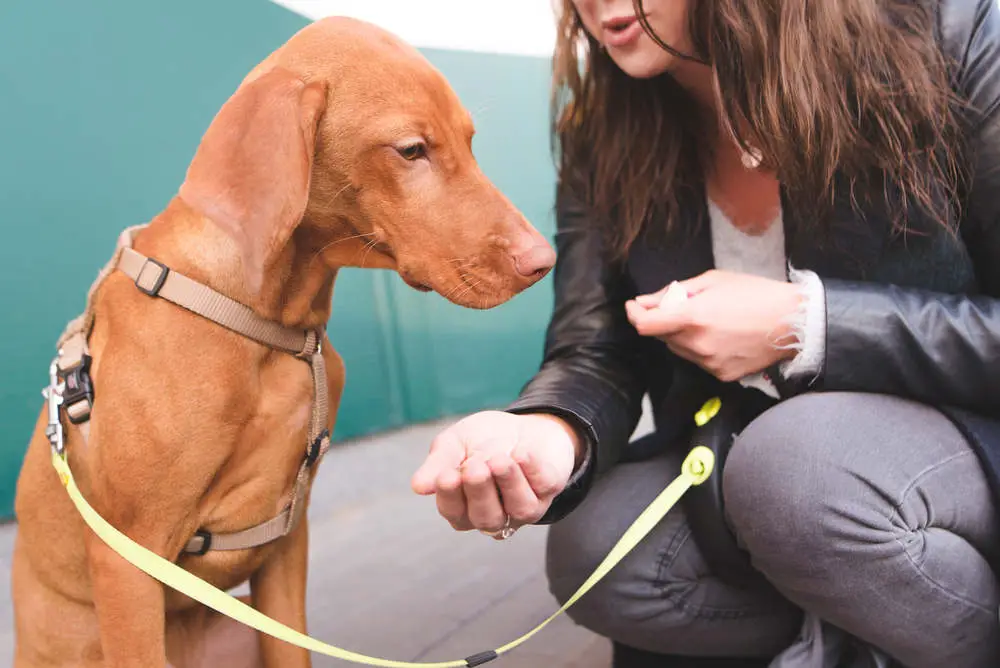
x=345 y=147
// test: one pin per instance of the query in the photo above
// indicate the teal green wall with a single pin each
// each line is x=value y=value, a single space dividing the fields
x=102 y=104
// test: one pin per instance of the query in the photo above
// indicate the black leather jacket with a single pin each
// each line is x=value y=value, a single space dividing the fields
x=921 y=322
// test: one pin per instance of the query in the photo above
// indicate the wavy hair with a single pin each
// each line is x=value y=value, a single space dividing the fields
x=852 y=87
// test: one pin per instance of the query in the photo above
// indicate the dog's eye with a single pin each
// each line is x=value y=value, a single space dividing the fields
x=413 y=152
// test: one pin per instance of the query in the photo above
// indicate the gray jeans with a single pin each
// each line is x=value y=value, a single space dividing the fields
x=868 y=512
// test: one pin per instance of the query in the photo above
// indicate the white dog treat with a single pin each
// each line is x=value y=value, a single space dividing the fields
x=674 y=295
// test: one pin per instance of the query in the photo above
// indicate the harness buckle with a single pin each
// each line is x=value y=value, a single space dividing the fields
x=154 y=290
x=78 y=391
x=206 y=543
x=316 y=447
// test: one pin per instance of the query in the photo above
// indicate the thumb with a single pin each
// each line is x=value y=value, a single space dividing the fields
x=652 y=300
x=447 y=453
x=657 y=322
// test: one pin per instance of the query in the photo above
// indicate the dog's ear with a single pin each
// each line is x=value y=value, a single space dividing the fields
x=251 y=172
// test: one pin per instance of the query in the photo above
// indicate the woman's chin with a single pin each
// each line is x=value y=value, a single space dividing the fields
x=643 y=65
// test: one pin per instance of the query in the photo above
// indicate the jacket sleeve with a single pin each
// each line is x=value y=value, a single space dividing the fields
x=937 y=348
x=592 y=372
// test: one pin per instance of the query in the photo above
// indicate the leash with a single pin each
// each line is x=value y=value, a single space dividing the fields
x=696 y=469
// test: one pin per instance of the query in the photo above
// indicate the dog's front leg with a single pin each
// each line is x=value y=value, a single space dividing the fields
x=278 y=590
x=130 y=610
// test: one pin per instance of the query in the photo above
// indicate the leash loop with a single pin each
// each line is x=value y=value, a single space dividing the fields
x=699 y=464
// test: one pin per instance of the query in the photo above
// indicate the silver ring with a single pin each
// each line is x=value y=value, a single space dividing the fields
x=504 y=533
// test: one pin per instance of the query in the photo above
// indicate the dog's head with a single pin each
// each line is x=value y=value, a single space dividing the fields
x=347 y=143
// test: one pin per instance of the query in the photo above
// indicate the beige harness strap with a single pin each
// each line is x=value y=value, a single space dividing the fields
x=287 y=519
x=157 y=280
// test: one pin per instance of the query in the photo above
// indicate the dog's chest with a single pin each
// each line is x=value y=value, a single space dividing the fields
x=256 y=482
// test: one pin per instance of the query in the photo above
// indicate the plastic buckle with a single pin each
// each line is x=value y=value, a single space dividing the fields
x=158 y=284
x=77 y=387
x=206 y=542
x=316 y=447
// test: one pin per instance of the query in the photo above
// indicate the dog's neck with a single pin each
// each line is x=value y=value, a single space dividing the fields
x=297 y=286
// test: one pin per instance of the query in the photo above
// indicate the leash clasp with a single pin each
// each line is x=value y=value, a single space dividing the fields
x=53 y=394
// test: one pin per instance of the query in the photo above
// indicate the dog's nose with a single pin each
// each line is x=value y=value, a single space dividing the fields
x=535 y=262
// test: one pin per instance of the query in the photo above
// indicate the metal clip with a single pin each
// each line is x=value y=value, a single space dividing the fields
x=53 y=394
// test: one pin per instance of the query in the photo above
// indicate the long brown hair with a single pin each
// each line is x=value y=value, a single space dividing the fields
x=855 y=87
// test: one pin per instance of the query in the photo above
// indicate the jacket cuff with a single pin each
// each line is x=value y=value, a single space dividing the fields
x=809 y=327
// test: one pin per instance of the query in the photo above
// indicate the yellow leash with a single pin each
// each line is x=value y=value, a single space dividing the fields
x=697 y=467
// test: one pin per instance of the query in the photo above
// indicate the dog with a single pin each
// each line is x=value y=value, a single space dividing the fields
x=344 y=147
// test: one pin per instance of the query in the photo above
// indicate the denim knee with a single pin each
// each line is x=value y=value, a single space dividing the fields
x=782 y=485
x=662 y=596
x=819 y=482
x=873 y=513
x=636 y=589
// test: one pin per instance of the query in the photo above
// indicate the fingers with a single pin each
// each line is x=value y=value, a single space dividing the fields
x=656 y=321
x=446 y=454
x=470 y=498
x=519 y=499
x=684 y=289
x=483 y=502
x=540 y=475
x=651 y=300
x=483 y=494
x=666 y=298
x=451 y=499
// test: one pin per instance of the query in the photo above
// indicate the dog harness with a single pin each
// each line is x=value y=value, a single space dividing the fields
x=71 y=389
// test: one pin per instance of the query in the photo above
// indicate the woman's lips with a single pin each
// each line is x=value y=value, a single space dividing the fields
x=621 y=31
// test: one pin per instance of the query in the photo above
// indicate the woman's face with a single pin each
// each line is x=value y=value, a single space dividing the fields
x=614 y=25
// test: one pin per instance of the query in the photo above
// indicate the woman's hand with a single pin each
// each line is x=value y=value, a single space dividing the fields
x=492 y=466
x=732 y=325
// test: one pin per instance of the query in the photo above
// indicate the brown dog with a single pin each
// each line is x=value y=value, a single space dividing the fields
x=343 y=148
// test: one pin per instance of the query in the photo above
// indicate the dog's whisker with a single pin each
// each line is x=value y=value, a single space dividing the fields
x=337 y=241
x=467 y=278
x=472 y=287
x=451 y=293
x=462 y=266
x=368 y=249
x=362 y=250
x=481 y=109
x=468 y=288
x=318 y=254
x=463 y=280
x=454 y=289
x=334 y=243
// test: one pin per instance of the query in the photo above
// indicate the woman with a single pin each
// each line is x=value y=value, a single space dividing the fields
x=822 y=181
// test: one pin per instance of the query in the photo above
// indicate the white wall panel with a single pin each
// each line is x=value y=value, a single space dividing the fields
x=521 y=27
